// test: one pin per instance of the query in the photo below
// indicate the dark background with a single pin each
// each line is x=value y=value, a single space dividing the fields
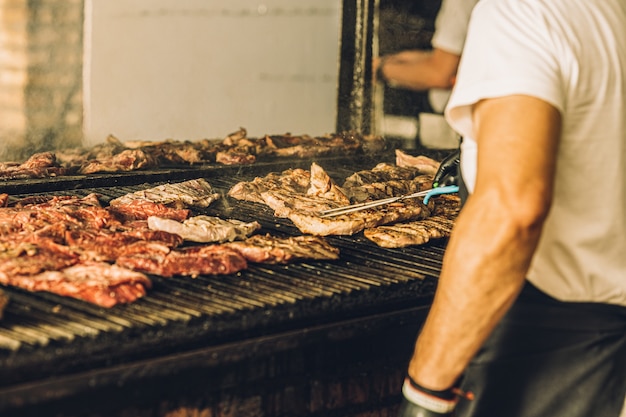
x=406 y=24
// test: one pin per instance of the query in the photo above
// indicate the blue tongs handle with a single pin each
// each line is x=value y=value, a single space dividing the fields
x=448 y=189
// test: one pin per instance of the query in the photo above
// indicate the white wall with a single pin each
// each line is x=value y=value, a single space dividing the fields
x=192 y=69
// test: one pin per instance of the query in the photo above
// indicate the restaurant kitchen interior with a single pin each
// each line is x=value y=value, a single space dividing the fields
x=314 y=338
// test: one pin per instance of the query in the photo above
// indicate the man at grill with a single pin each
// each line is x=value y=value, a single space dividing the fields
x=529 y=317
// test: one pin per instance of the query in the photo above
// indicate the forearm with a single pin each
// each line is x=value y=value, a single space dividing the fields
x=420 y=70
x=474 y=290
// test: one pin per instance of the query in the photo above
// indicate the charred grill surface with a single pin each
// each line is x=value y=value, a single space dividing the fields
x=47 y=336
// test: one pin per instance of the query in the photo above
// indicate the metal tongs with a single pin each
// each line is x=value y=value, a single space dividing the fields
x=427 y=194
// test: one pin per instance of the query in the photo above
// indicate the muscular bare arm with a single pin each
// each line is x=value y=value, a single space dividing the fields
x=495 y=237
x=420 y=70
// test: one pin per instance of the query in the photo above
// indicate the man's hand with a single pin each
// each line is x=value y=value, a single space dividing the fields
x=449 y=170
x=421 y=402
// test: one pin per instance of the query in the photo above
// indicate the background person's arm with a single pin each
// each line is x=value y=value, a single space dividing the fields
x=418 y=70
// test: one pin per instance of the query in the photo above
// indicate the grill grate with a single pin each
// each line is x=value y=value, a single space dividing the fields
x=44 y=335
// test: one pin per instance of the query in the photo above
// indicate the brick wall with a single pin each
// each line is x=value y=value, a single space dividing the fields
x=41 y=53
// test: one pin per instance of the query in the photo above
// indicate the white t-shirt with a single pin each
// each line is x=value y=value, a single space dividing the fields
x=450 y=31
x=572 y=54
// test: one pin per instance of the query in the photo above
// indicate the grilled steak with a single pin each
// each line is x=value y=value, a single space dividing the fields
x=423 y=163
x=32 y=254
x=235 y=157
x=302 y=204
x=236 y=149
x=191 y=193
x=294 y=181
x=56 y=245
x=175 y=152
x=99 y=283
x=381 y=173
x=390 y=188
x=142 y=209
x=191 y=261
x=283 y=202
x=351 y=223
x=37 y=214
x=321 y=185
x=411 y=233
x=39 y=165
x=271 y=249
x=205 y=229
x=106 y=245
x=438 y=225
x=127 y=160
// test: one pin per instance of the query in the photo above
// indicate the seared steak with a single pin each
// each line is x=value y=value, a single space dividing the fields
x=205 y=229
x=423 y=163
x=271 y=249
x=99 y=283
x=191 y=261
x=142 y=209
x=127 y=160
x=186 y=194
x=294 y=181
x=438 y=225
x=39 y=165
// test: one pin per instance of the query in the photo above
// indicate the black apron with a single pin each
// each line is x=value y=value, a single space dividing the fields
x=548 y=358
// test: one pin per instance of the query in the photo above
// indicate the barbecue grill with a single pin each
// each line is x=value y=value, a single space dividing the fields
x=315 y=338
x=57 y=350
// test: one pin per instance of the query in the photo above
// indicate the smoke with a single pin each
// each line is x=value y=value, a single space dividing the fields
x=18 y=148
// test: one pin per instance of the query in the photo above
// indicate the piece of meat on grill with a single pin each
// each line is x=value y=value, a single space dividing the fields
x=284 y=202
x=425 y=164
x=275 y=250
x=95 y=282
x=235 y=138
x=37 y=213
x=32 y=254
x=190 y=193
x=142 y=209
x=306 y=146
x=351 y=223
x=236 y=156
x=437 y=226
x=191 y=261
x=447 y=205
x=127 y=160
x=39 y=165
x=322 y=185
x=295 y=181
x=106 y=245
x=302 y=206
x=321 y=193
x=401 y=235
x=205 y=229
x=110 y=147
x=176 y=152
x=391 y=188
x=382 y=172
